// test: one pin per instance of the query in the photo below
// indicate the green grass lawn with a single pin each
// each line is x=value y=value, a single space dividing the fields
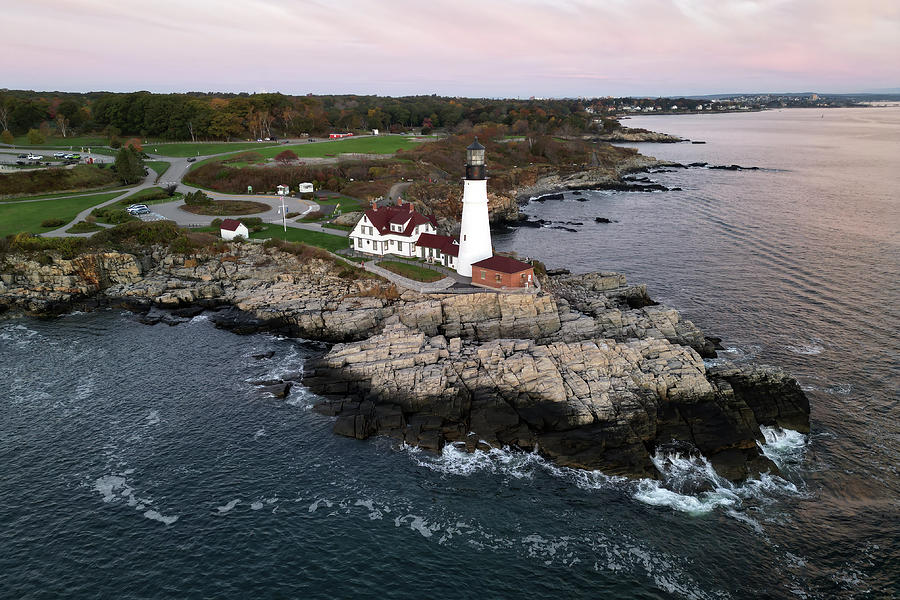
x=150 y=196
x=160 y=166
x=27 y=216
x=413 y=272
x=62 y=194
x=203 y=148
x=347 y=204
x=362 y=145
x=341 y=227
x=313 y=238
x=387 y=144
x=59 y=142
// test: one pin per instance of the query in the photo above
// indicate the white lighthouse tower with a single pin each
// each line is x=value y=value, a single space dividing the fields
x=475 y=229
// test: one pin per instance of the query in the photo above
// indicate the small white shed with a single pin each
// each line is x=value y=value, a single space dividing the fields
x=305 y=188
x=283 y=190
x=232 y=228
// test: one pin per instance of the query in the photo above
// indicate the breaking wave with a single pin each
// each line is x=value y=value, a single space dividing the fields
x=688 y=483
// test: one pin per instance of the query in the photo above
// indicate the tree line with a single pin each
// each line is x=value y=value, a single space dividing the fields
x=197 y=116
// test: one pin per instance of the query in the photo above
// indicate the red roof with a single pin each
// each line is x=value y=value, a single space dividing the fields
x=397 y=215
x=502 y=264
x=230 y=224
x=444 y=243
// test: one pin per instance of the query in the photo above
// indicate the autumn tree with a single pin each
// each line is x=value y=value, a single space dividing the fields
x=135 y=144
x=7 y=137
x=288 y=156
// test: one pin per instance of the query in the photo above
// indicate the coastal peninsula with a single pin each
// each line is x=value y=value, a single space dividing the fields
x=589 y=371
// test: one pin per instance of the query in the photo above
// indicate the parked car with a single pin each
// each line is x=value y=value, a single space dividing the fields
x=34 y=157
x=191 y=159
x=59 y=155
x=138 y=209
x=22 y=156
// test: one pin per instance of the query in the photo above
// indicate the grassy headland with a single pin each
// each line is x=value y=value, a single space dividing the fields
x=27 y=216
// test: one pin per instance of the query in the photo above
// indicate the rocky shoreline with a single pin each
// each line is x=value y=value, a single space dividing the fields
x=590 y=371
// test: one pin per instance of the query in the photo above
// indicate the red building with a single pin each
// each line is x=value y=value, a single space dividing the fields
x=502 y=272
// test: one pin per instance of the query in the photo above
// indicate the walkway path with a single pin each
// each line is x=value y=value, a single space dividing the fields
x=178 y=168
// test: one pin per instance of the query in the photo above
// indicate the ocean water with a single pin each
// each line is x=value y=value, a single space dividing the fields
x=141 y=462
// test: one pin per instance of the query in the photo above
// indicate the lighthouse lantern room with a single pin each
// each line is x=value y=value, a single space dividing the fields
x=475 y=229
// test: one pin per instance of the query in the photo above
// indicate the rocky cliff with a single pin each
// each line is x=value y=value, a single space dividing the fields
x=590 y=371
x=631 y=135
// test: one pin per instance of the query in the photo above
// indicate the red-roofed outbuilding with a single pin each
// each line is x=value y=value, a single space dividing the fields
x=502 y=272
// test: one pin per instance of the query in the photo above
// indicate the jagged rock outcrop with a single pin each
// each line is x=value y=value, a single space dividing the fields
x=589 y=370
x=626 y=134
x=47 y=284
x=595 y=404
x=601 y=177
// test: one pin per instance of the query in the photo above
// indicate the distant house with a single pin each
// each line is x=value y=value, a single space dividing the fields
x=502 y=272
x=305 y=188
x=441 y=249
x=283 y=190
x=232 y=228
x=390 y=230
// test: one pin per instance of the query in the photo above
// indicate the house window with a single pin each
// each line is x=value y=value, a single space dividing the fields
x=497 y=277
x=392 y=243
x=399 y=245
x=359 y=242
x=483 y=275
x=464 y=238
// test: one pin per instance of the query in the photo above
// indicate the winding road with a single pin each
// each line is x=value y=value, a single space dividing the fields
x=178 y=168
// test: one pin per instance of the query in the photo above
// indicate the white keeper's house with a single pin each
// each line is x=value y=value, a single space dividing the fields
x=440 y=249
x=391 y=230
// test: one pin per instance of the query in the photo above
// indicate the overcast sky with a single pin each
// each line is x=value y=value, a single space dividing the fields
x=494 y=48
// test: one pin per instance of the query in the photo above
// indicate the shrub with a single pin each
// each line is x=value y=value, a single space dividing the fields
x=189 y=243
x=68 y=248
x=385 y=292
x=52 y=223
x=285 y=157
x=197 y=198
x=54 y=179
x=298 y=249
x=112 y=215
x=254 y=224
x=137 y=233
x=291 y=215
x=35 y=137
x=313 y=216
x=217 y=223
x=83 y=227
